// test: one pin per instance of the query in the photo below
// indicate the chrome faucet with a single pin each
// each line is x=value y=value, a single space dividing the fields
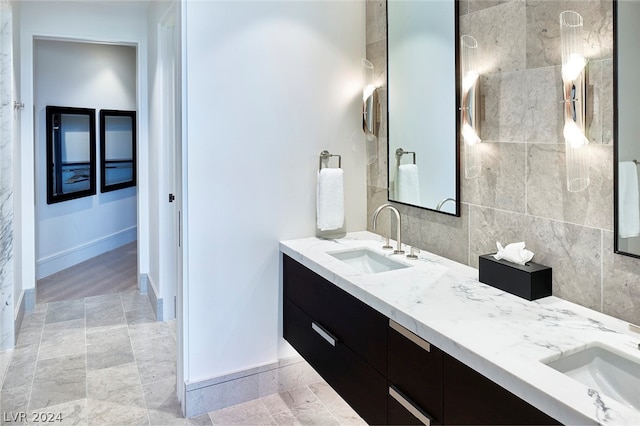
x=398 y=249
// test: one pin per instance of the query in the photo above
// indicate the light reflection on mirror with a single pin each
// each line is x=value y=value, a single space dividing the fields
x=422 y=104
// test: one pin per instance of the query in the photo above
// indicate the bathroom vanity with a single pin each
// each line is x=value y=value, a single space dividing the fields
x=423 y=342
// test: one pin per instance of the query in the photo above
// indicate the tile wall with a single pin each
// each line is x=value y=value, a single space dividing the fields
x=521 y=193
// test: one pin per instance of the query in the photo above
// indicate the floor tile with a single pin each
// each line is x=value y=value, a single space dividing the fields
x=249 y=413
x=72 y=413
x=312 y=413
x=62 y=338
x=336 y=405
x=133 y=300
x=22 y=367
x=108 y=413
x=287 y=401
x=120 y=385
x=156 y=358
x=143 y=325
x=14 y=400
x=108 y=348
x=59 y=380
x=64 y=311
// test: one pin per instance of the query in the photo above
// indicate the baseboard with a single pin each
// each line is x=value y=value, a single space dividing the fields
x=156 y=302
x=246 y=385
x=27 y=303
x=18 y=317
x=67 y=258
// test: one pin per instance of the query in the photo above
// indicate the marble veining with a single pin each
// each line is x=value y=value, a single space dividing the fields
x=6 y=181
x=500 y=335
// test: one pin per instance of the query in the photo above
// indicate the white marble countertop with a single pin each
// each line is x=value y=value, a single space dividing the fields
x=502 y=336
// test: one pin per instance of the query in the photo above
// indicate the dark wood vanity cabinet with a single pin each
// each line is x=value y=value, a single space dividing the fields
x=343 y=339
x=415 y=378
x=471 y=398
x=386 y=373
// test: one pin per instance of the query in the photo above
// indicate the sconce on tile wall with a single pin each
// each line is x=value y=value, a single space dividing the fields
x=574 y=92
x=370 y=110
x=469 y=105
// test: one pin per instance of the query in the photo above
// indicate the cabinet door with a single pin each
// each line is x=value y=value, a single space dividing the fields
x=355 y=324
x=415 y=370
x=361 y=386
x=471 y=398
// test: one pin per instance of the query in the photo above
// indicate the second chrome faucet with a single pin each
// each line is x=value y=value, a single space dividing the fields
x=398 y=249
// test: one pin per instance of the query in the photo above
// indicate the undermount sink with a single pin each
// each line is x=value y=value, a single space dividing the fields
x=605 y=370
x=368 y=261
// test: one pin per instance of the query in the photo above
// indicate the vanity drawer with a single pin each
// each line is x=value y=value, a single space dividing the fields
x=415 y=370
x=364 y=388
x=356 y=325
x=471 y=398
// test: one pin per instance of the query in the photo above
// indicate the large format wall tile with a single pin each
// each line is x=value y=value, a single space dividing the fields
x=504 y=107
x=376 y=12
x=543 y=29
x=501 y=41
x=572 y=251
x=621 y=283
x=547 y=194
x=501 y=181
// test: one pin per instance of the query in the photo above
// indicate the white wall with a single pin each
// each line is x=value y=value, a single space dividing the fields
x=85 y=21
x=83 y=75
x=269 y=86
x=162 y=259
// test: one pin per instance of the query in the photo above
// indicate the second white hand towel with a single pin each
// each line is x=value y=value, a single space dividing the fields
x=629 y=200
x=407 y=184
x=330 y=199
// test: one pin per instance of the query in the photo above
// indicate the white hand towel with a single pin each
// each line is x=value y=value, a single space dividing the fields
x=628 y=200
x=407 y=184
x=330 y=199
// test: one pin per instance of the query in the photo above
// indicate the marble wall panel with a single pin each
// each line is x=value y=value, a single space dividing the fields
x=543 y=29
x=547 y=194
x=621 y=283
x=504 y=107
x=501 y=41
x=599 y=119
x=7 y=335
x=572 y=251
x=376 y=13
x=501 y=182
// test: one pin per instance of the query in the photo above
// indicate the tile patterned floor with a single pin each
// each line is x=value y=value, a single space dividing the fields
x=104 y=360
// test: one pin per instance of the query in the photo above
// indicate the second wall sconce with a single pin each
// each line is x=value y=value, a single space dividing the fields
x=370 y=104
x=469 y=111
x=574 y=91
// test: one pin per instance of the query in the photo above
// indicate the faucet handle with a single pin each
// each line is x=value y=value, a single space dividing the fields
x=413 y=253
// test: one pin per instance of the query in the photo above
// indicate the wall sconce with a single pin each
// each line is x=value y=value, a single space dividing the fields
x=370 y=113
x=469 y=111
x=574 y=91
x=370 y=116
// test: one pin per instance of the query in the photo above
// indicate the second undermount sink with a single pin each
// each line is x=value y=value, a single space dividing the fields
x=368 y=261
x=605 y=370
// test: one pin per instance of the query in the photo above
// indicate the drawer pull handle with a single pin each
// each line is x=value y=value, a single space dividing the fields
x=324 y=333
x=410 y=335
x=409 y=405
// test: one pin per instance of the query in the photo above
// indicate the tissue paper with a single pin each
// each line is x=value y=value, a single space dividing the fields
x=514 y=253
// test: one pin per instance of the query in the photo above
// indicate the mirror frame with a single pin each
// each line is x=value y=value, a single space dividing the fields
x=52 y=170
x=104 y=187
x=616 y=134
x=457 y=113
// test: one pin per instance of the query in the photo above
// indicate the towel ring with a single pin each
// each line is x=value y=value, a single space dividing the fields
x=325 y=155
x=400 y=152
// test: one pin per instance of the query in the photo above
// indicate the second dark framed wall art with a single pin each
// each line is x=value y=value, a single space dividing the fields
x=117 y=149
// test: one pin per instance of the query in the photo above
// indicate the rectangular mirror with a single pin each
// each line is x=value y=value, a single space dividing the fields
x=423 y=105
x=626 y=54
x=71 y=154
x=117 y=149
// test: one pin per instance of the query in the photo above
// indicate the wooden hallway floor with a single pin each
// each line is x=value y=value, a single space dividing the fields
x=112 y=272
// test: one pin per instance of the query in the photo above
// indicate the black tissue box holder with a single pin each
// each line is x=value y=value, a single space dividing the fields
x=530 y=281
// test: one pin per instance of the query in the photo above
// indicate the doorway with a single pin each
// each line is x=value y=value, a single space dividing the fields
x=74 y=236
